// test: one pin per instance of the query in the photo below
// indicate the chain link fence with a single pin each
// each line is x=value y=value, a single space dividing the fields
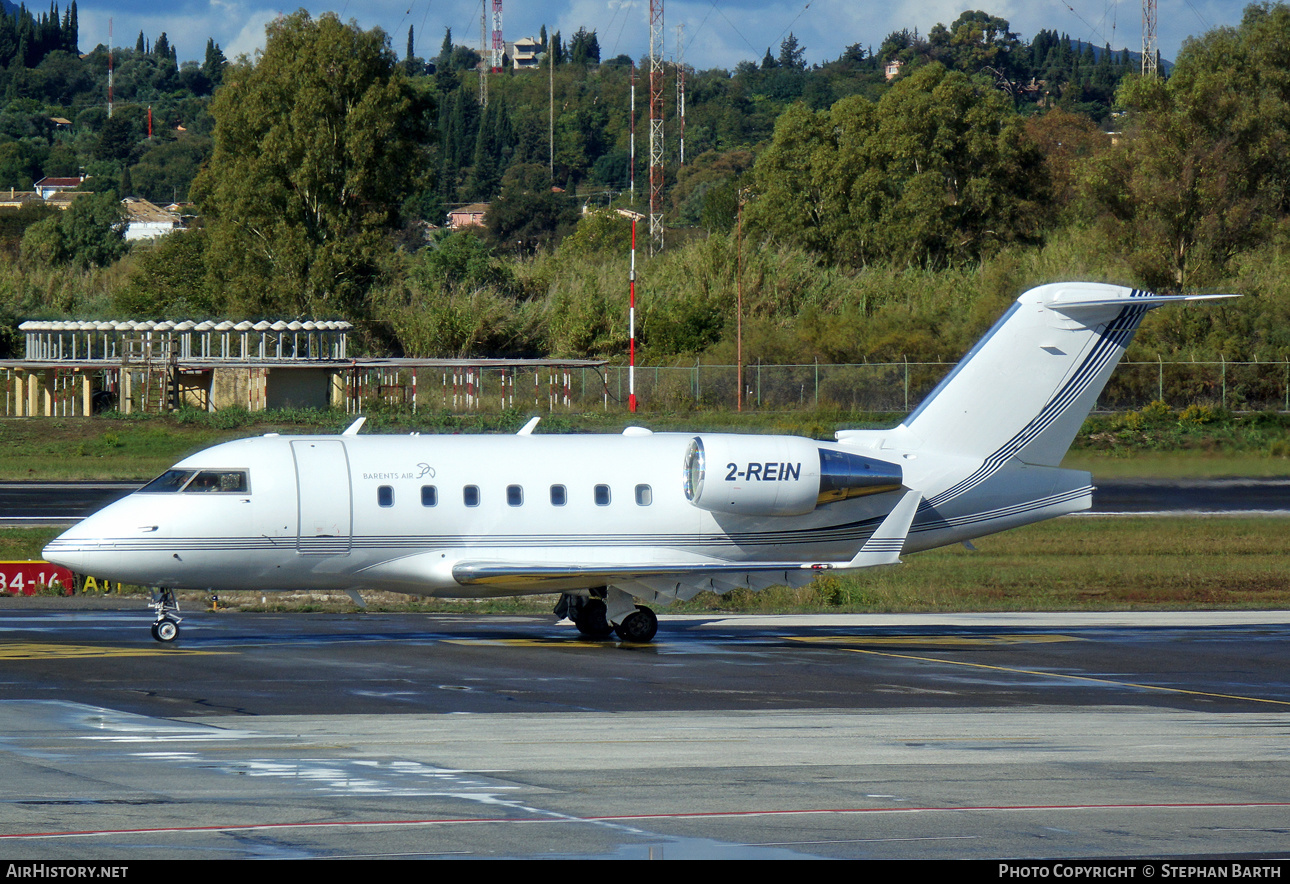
x=874 y=387
x=901 y=386
x=895 y=387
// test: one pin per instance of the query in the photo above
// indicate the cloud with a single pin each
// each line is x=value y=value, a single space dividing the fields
x=250 y=39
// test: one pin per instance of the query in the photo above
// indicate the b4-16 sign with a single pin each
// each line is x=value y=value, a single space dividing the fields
x=29 y=578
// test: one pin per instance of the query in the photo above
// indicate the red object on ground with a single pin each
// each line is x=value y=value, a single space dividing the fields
x=29 y=578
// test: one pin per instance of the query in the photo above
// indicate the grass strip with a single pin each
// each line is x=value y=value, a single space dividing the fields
x=1077 y=563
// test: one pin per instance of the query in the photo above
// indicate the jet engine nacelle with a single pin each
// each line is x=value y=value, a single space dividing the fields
x=778 y=475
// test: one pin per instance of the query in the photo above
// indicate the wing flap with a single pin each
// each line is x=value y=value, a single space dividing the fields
x=537 y=575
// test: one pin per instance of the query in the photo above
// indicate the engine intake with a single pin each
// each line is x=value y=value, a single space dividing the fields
x=778 y=475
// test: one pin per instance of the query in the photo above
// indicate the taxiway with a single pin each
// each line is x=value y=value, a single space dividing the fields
x=980 y=736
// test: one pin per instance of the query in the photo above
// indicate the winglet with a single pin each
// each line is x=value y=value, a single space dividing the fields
x=353 y=428
x=527 y=429
x=884 y=546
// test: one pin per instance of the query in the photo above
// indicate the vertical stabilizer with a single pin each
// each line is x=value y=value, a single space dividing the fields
x=1024 y=390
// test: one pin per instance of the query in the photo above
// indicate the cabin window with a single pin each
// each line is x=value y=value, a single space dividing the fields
x=514 y=495
x=429 y=495
x=559 y=496
x=644 y=495
x=385 y=495
x=218 y=481
x=602 y=495
x=470 y=494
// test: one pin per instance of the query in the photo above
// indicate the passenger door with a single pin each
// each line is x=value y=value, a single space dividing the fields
x=326 y=506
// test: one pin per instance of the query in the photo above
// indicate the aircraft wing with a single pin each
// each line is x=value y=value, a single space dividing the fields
x=688 y=578
x=515 y=573
x=661 y=582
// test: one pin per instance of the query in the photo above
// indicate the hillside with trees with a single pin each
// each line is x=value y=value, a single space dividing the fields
x=862 y=216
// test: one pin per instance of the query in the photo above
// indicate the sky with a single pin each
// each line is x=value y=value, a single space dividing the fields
x=716 y=33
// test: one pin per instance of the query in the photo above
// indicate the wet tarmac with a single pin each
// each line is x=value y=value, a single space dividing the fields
x=942 y=736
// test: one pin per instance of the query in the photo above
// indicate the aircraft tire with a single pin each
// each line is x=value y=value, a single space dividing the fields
x=593 y=620
x=165 y=630
x=638 y=627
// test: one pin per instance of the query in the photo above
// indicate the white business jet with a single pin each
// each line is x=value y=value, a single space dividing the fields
x=614 y=523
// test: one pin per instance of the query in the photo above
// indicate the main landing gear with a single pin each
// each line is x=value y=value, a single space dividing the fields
x=637 y=624
x=166 y=627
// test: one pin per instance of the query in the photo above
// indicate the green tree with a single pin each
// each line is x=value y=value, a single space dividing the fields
x=14 y=224
x=122 y=131
x=90 y=233
x=462 y=259
x=214 y=63
x=599 y=234
x=412 y=65
x=585 y=48
x=1068 y=142
x=94 y=230
x=791 y=54
x=20 y=163
x=316 y=147
x=167 y=168
x=1203 y=171
x=456 y=300
x=976 y=42
x=167 y=279
x=528 y=214
x=938 y=171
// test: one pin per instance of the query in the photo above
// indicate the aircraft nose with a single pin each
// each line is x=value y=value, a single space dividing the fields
x=65 y=553
x=86 y=547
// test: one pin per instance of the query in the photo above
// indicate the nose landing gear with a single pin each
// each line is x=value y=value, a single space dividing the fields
x=166 y=627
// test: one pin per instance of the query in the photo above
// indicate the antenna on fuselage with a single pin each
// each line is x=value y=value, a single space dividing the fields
x=353 y=428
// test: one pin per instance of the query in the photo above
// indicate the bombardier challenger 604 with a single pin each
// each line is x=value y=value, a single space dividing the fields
x=612 y=524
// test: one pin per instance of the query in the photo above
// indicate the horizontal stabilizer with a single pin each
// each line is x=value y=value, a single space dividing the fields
x=885 y=545
x=1076 y=307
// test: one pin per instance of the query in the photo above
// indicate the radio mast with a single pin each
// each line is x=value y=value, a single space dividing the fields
x=680 y=86
x=109 y=68
x=656 y=125
x=483 y=53
x=1149 y=66
x=499 y=47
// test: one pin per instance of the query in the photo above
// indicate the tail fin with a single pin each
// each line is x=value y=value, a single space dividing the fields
x=1024 y=390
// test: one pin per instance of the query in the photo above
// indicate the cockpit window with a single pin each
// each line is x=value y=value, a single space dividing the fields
x=222 y=481
x=225 y=481
x=170 y=480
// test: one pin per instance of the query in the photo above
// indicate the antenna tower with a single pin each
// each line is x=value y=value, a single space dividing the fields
x=680 y=85
x=499 y=47
x=483 y=53
x=656 y=125
x=109 y=68
x=1149 y=66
